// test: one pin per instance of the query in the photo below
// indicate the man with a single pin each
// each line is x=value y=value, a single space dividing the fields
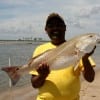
x=63 y=84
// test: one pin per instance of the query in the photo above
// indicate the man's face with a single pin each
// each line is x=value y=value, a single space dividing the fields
x=56 y=30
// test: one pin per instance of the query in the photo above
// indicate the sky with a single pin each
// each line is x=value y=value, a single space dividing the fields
x=26 y=18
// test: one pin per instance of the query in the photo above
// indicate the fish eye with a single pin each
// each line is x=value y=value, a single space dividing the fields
x=90 y=36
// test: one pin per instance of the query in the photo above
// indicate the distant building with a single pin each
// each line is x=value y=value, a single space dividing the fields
x=38 y=39
x=31 y=39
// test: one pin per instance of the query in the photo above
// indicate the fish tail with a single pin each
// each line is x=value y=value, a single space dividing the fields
x=12 y=72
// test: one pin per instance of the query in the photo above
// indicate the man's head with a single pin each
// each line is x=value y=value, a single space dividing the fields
x=54 y=16
x=55 y=28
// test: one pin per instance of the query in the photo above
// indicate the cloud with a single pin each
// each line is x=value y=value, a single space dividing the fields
x=27 y=17
x=85 y=18
x=17 y=26
x=87 y=12
x=23 y=27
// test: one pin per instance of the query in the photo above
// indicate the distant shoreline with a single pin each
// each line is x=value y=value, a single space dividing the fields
x=20 y=42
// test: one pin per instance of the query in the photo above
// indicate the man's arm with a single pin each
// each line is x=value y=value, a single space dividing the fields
x=38 y=80
x=88 y=72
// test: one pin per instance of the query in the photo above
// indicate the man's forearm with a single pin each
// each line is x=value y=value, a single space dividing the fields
x=88 y=72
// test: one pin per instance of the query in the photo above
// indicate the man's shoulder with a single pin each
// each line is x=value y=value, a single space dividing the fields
x=44 y=47
x=45 y=44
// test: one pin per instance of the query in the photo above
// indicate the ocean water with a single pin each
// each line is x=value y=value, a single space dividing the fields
x=19 y=55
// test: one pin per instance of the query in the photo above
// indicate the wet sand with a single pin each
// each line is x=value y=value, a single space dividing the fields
x=89 y=91
x=24 y=93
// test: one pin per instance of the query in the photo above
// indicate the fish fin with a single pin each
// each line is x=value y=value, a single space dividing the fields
x=76 y=66
x=12 y=72
x=76 y=69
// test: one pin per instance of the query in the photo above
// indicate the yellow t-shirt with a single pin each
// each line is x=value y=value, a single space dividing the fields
x=61 y=84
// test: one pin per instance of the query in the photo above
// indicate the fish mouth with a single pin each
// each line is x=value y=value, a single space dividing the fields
x=98 y=39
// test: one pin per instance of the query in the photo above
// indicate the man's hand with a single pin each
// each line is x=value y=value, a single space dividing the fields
x=43 y=69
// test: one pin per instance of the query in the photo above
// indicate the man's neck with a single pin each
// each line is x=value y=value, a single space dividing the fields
x=58 y=43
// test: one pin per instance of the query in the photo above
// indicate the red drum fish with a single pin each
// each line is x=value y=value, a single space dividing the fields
x=68 y=53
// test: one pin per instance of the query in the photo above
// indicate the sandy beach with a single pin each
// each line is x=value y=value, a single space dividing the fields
x=89 y=91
